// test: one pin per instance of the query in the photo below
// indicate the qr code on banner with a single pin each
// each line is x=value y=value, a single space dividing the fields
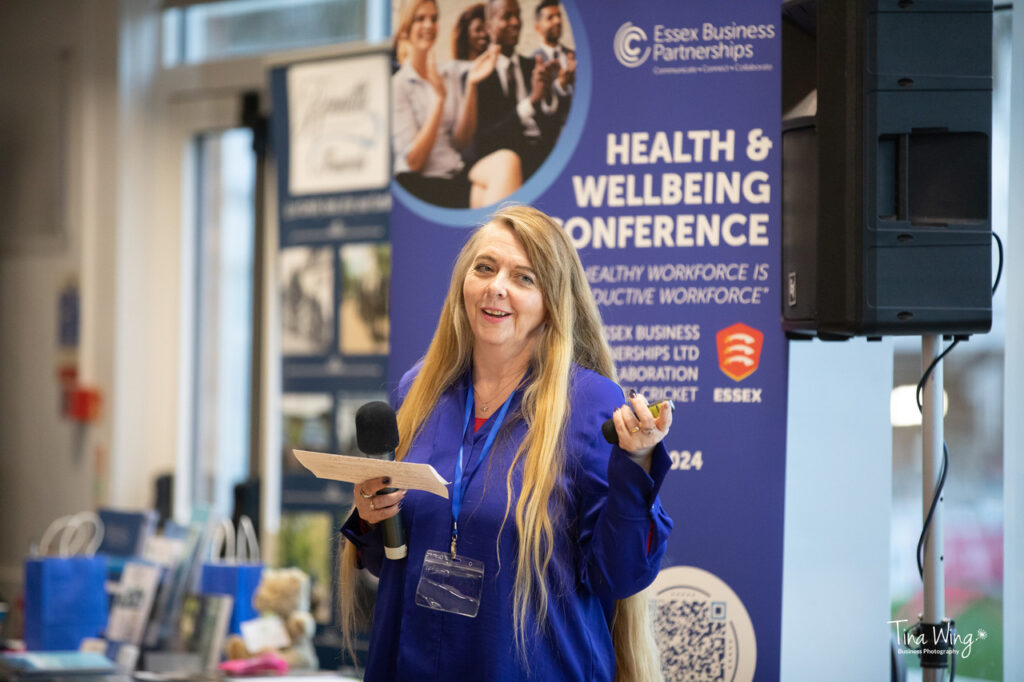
x=692 y=639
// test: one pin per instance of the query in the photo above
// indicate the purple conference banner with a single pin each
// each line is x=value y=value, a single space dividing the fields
x=665 y=173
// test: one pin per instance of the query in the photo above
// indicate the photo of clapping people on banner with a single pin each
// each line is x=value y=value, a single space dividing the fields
x=472 y=123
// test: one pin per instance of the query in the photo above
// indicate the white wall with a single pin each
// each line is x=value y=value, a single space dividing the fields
x=144 y=437
x=835 y=582
x=48 y=465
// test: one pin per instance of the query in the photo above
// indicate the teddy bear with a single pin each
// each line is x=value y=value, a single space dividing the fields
x=283 y=592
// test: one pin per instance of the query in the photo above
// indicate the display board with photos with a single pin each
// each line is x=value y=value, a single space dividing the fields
x=330 y=139
x=330 y=128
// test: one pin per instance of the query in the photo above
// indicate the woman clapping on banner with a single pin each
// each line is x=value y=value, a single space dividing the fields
x=536 y=566
x=431 y=124
x=469 y=36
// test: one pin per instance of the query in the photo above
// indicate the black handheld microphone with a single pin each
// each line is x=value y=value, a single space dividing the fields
x=377 y=436
x=612 y=436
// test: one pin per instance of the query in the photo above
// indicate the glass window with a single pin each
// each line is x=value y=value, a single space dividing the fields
x=224 y=232
x=221 y=30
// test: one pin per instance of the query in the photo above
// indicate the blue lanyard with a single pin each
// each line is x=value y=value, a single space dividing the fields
x=460 y=484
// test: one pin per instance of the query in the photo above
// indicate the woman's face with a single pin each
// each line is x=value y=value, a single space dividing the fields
x=502 y=296
x=478 y=39
x=423 y=30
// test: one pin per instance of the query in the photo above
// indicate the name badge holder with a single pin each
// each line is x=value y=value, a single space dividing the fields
x=449 y=582
x=452 y=584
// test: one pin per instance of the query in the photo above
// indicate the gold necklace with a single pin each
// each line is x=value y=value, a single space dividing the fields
x=484 y=403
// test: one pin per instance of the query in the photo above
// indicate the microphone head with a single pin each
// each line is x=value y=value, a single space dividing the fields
x=376 y=428
x=609 y=432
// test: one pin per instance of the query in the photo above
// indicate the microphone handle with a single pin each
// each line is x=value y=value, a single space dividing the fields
x=394 y=533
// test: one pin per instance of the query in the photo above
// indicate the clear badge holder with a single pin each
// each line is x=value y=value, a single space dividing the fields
x=452 y=584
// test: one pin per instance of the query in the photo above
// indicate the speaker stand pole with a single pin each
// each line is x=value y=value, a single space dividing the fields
x=932 y=620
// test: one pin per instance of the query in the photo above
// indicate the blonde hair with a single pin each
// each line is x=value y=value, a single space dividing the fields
x=400 y=44
x=571 y=334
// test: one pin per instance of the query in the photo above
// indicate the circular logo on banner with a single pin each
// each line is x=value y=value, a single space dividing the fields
x=625 y=51
x=703 y=630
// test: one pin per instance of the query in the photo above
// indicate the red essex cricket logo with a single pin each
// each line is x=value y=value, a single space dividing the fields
x=739 y=350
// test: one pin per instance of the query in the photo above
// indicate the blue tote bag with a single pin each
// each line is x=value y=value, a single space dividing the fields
x=238 y=573
x=65 y=595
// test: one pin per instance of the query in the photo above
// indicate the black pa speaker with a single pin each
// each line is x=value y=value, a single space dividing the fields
x=886 y=178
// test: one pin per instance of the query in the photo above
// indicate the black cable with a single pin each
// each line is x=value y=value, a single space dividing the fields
x=945 y=457
x=931 y=511
x=945 y=451
x=957 y=340
x=942 y=472
x=931 y=368
x=999 y=268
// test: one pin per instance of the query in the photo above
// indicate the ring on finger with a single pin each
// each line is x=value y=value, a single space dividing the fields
x=363 y=493
x=634 y=429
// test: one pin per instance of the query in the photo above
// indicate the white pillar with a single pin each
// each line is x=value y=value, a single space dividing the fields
x=1013 y=426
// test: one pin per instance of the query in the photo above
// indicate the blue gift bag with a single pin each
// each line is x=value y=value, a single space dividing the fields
x=237 y=580
x=65 y=601
x=238 y=574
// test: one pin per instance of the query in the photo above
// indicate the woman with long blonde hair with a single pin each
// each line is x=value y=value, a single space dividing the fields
x=536 y=567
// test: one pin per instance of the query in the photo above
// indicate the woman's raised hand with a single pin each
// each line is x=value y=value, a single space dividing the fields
x=638 y=430
x=483 y=66
x=374 y=506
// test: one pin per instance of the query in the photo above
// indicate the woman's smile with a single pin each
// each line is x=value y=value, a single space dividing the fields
x=495 y=314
